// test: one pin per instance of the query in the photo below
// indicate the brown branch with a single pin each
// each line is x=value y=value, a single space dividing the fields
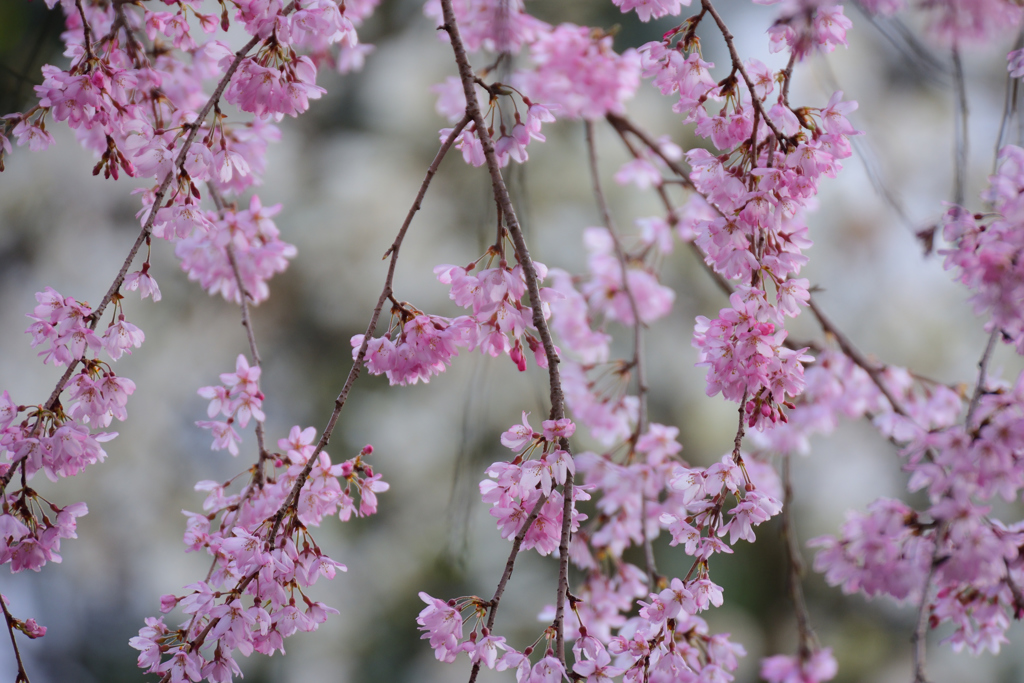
x=510 y=564
x=353 y=374
x=918 y=640
x=638 y=361
x=244 y=297
x=961 y=131
x=22 y=674
x=787 y=76
x=738 y=440
x=1009 y=104
x=737 y=65
x=979 y=388
x=620 y=254
x=86 y=36
x=622 y=126
x=502 y=199
x=808 y=641
x=847 y=347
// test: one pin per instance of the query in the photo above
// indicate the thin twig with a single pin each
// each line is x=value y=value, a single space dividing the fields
x=737 y=65
x=737 y=441
x=979 y=388
x=847 y=347
x=960 y=123
x=86 y=36
x=245 y=296
x=385 y=293
x=795 y=563
x=22 y=674
x=620 y=254
x=918 y=640
x=510 y=564
x=913 y=52
x=638 y=361
x=502 y=199
x=787 y=79
x=622 y=126
x=1010 y=103
x=1015 y=591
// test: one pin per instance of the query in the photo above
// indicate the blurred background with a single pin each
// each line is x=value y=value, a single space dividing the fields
x=346 y=173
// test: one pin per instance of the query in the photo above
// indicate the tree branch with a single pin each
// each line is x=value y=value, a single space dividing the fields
x=502 y=199
x=795 y=566
x=737 y=65
x=22 y=676
x=385 y=293
x=979 y=388
x=510 y=564
x=847 y=347
x=918 y=640
x=638 y=362
x=247 y=324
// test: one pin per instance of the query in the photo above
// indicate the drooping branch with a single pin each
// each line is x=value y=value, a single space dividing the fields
x=510 y=564
x=86 y=36
x=1010 y=104
x=244 y=298
x=385 y=294
x=504 y=202
x=339 y=402
x=795 y=567
x=22 y=676
x=737 y=65
x=979 y=387
x=919 y=639
x=960 y=136
x=847 y=347
x=639 y=361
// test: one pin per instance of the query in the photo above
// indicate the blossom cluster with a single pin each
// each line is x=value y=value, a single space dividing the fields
x=264 y=562
x=746 y=211
x=58 y=438
x=137 y=93
x=987 y=252
x=891 y=548
x=419 y=346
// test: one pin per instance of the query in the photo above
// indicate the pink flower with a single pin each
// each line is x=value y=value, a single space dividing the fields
x=518 y=435
x=821 y=666
x=121 y=337
x=144 y=282
x=442 y=624
x=558 y=429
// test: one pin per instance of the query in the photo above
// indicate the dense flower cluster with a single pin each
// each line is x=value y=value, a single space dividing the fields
x=420 y=346
x=260 y=557
x=143 y=91
x=137 y=94
x=988 y=251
